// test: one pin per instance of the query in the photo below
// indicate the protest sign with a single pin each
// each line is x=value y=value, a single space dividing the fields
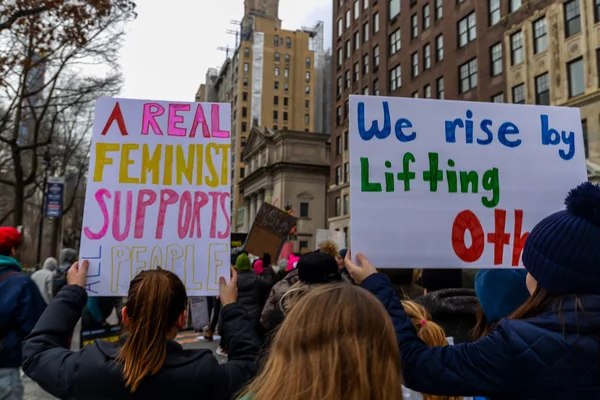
x=337 y=237
x=199 y=311
x=270 y=229
x=158 y=194
x=54 y=197
x=449 y=184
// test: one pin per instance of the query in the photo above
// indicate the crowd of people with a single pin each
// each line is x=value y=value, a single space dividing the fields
x=326 y=325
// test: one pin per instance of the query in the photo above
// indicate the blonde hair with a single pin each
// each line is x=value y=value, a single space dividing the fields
x=351 y=354
x=429 y=332
x=330 y=248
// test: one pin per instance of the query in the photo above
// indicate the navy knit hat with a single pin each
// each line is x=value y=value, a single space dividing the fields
x=318 y=267
x=562 y=252
x=500 y=292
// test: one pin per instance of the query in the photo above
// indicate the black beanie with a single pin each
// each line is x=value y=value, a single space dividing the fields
x=318 y=267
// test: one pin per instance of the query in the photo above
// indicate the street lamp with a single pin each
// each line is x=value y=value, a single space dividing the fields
x=46 y=166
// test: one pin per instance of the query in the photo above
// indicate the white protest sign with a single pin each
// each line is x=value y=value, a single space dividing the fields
x=158 y=194
x=339 y=238
x=449 y=184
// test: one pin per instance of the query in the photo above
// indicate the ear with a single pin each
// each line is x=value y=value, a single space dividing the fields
x=181 y=320
x=124 y=316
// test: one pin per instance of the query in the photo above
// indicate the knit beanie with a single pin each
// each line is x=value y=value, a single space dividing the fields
x=318 y=267
x=258 y=266
x=562 y=252
x=243 y=263
x=500 y=292
x=9 y=238
x=50 y=264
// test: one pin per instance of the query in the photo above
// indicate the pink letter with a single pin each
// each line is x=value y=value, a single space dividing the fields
x=199 y=118
x=151 y=111
x=215 y=122
x=140 y=212
x=185 y=212
x=200 y=200
x=167 y=197
x=213 y=221
x=100 y=194
x=224 y=235
x=119 y=237
x=175 y=119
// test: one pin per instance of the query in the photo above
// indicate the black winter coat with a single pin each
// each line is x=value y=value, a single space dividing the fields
x=252 y=293
x=92 y=372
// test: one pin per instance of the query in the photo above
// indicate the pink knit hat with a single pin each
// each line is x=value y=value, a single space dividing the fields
x=292 y=261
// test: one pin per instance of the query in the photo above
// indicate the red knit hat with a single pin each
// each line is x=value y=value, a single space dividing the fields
x=9 y=237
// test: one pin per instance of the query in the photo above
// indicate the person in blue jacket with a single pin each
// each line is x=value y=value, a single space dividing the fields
x=21 y=305
x=549 y=348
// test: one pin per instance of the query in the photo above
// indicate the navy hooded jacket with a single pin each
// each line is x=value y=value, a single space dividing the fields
x=547 y=357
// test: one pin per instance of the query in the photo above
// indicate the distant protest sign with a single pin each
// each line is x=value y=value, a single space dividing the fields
x=158 y=194
x=337 y=237
x=269 y=231
x=449 y=184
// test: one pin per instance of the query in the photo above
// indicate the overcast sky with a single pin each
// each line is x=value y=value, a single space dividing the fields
x=171 y=44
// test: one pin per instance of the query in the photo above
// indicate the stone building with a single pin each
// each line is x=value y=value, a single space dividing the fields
x=287 y=169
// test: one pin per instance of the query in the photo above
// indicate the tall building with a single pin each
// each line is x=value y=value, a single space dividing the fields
x=420 y=48
x=271 y=82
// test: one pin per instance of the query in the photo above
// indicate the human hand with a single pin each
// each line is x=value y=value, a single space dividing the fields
x=362 y=272
x=228 y=292
x=77 y=274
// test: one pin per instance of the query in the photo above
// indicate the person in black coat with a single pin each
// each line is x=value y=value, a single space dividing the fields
x=148 y=363
x=252 y=288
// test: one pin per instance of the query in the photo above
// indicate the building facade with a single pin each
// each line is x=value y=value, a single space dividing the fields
x=289 y=169
x=420 y=48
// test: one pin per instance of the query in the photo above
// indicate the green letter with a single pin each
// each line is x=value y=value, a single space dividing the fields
x=365 y=185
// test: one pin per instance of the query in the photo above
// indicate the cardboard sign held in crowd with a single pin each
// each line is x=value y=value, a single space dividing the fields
x=339 y=238
x=269 y=231
x=158 y=194
x=449 y=184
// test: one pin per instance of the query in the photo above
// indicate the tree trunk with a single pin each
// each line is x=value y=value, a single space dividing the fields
x=19 y=205
x=56 y=224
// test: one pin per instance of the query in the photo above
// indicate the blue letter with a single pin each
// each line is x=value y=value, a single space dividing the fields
x=404 y=123
x=570 y=140
x=549 y=135
x=508 y=128
x=485 y=127
x=374 y=130
x=451 y=129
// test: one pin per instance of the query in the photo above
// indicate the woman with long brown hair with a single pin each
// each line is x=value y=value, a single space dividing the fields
x=337 y=343
x=148 y=363
x=549 y=348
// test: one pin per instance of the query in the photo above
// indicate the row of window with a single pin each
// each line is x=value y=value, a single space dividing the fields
x=278 y=41
x=338 y=207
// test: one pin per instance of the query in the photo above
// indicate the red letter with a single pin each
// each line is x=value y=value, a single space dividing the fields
x=213 y=221
x=116 y=115
x=224 y=235
x=215 y=123
x=200 y=200
x=167 y=197
x=519 y=240
x=151 y=111
x=119 y=237
x=464 y=221
x=499 y=237
x=185 y=213
x=140 y=212
x=99 y=198
x=199 y=118
x=174 y=119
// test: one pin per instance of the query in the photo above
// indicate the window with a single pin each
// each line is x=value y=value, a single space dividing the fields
x=496 y=54
x=395 y=78
x=427 y=91
x=245 y=96
x=439 y=9
x=346 y=140
x=356 y=9
x=339 y=86
x=306 y=119
x=340 y=27
x=468 y=75
x=347 y=80
x=276 y=100
x=303 y=210
x=303 y=244
x=514 y=5
x=375 y=57
x=346 y=204
x=365 y=4
x=518 y=94
x=275 y=115
x=540 y=36
x=276 y=40
x=439 y=87
x=338 y=144
x=244 y=127
x=439 y=48
x=376 y=87
x=394 y=8
x=576 y=78
x=356 y=40
x=285 y=86
x=467 y=31
x=348 y=49
x=498 y=98
x=494 y=11
x=542 y=90
x=338 y=175
x=426 y=56
x=306 y=89
x=415 y=94
x=242 y=172
x=287 y=58
x=584 y=130
x=365 y=91
x=365 y=64
x=596 y=10
x=340 y=56
x=338 y=206
x=338 y=115
x=307 y=62
x=414 y=24
x=246 y=67
x=366 y=32
x=572 y=18
x=286 y=73
x=277 y=57
x=516 y=48
x=598 y=65
x=276 y=86
x=375 y=22
x=285 y=101
x=356 y=72
x=285 y=116
x=426 y=17
x=245 y=82
x=276 y=71
x=244 y=111
x=415 y=64
x=395 y=42
x=347 y=19
x=346 y=172
x=246 y=52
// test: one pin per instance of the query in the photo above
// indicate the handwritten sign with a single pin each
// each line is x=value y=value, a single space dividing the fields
x=339 y=238
x=448 y=184
x=269 y=231
x=158 y=194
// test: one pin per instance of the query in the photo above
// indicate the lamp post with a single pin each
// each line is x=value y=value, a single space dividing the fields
x=46 y=165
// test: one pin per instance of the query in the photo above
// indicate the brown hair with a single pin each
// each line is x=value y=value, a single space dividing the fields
x=351 y=354
x=330 y=248
x=482 y=327
x=429 y=332
x=156 y=299
x=539 y=301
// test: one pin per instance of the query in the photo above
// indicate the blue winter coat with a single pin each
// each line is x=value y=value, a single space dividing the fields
x=546 y=357
x=21 y=305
